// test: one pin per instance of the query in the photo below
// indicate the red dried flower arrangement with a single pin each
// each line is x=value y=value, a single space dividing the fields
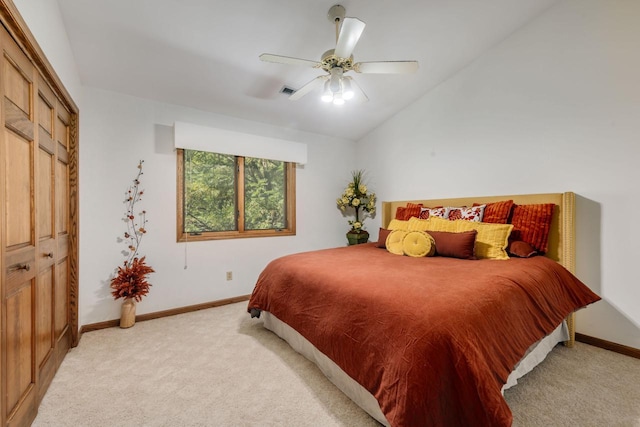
x=131 y=279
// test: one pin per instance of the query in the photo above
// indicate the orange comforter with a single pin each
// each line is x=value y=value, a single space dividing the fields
x=433 y=339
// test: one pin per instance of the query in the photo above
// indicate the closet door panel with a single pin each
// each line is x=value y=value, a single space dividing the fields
x=45 y=215
x=18 y=190
x=62 y=172
x=20 y=261
x=20 y=378
x=61 y=294
x=44 y=317
x=62 y=223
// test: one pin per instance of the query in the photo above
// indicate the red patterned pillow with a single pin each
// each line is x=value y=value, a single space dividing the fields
x=474 y=213
x=426 y=213
x=497 y=212
x=411 y=210
x=531 y=224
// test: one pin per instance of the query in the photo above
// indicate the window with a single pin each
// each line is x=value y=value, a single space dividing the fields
x=222 y=196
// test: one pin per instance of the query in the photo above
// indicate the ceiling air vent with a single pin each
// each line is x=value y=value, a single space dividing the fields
x=287 y=90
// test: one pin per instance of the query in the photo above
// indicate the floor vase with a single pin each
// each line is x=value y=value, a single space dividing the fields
x=128 y=313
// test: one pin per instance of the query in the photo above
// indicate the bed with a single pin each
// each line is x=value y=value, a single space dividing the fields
x=432 y=340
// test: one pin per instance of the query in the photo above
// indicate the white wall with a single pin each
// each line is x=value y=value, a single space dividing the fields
x=117 y=131
x=555 y=107
x=44 y=19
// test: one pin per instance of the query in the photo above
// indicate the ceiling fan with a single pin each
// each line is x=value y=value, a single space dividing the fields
x=337 y=87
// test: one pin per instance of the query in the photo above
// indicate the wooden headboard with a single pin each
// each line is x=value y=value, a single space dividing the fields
x=561 y=236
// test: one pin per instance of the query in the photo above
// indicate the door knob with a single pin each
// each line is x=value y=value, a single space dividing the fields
x=25 y=267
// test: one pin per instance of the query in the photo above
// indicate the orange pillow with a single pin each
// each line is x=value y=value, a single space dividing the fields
x=521 y=249
x=531 y=224
x=497 y=212
x=411 y=210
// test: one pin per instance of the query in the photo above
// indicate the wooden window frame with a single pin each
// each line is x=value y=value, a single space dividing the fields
x=240 y=233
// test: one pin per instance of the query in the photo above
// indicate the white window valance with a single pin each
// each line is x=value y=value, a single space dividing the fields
x=204 y=138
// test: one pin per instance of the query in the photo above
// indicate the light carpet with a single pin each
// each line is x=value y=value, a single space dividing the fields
x=218 y=367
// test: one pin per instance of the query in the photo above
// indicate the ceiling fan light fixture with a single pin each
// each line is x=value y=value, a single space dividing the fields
x=347 y=91
x=335 y=62
x=327 y=95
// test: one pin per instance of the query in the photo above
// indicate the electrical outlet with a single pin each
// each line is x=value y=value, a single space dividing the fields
x=229 y=275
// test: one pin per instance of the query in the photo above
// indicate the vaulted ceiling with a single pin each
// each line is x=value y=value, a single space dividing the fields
x=204 y=54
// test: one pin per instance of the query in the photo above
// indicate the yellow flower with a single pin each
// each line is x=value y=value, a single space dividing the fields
x=356 y=200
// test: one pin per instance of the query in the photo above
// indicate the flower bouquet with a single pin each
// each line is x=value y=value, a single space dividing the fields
x=356 y=198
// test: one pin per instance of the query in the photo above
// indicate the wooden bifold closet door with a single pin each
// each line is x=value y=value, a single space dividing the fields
x=35 y=313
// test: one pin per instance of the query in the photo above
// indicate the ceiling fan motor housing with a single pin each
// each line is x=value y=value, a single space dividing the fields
x=330 y=60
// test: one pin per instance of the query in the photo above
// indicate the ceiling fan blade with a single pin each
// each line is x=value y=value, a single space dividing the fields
x=313 y=84
x=350 y=33
x=386 y=67
x=279 y=59
x=359 y=96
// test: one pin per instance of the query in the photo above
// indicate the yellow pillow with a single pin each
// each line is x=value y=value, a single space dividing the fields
x=441 y=224
x=394 y=242
x=418 y=244
x=417 y=224
x=491 y=240
x=397 y=224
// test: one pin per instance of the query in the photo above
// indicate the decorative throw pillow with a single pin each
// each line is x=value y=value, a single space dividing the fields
x=521 y=249
x=473 y=213
x=426 y=213
x=491 y=240
x=397 y=224
x=400 y=213
x=411 y=210
x=455 y=245
x=531 y=224
x=394 y=242
x=497 y=212
x=418 y=244
x=382 y=237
